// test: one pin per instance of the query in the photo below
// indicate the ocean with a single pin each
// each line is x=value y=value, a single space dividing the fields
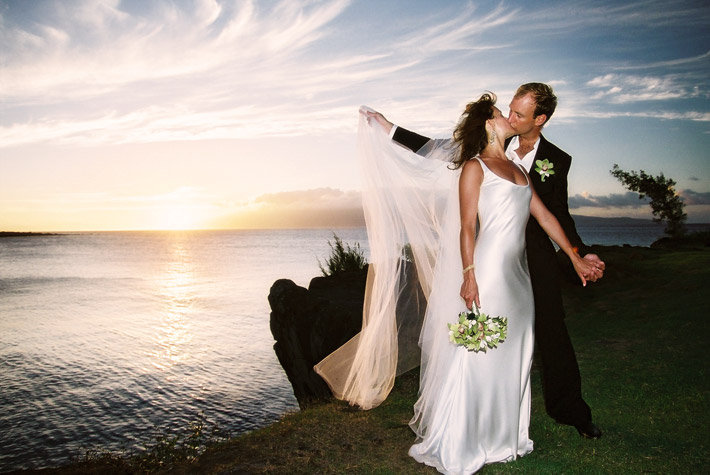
x=107 y=339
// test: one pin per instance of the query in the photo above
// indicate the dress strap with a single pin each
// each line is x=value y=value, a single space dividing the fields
x=525 y=172
x=483 y=165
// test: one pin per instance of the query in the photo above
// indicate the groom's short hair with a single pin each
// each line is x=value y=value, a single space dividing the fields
x=545 y=99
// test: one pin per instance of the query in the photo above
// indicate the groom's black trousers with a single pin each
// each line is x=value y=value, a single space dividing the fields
x=561 y=381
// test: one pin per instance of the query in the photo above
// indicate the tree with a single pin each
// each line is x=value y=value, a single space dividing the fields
x=665 y=203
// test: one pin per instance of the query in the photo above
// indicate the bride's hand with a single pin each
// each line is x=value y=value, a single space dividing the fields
x=469 y=290
x=586 y=269
x=379 y=118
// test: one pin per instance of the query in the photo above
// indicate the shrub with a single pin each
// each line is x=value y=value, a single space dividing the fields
x=342 y=258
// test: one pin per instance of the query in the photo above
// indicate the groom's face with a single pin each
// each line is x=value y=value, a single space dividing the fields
x=521 y=116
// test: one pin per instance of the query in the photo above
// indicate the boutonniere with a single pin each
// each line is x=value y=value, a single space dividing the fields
x=544 y=168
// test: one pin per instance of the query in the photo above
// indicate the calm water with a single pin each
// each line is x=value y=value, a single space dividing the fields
x=108 y=338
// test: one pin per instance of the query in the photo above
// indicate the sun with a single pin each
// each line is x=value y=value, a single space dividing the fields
x=178 y=218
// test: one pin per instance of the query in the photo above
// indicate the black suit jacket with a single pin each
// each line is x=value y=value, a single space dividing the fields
x=553 y=193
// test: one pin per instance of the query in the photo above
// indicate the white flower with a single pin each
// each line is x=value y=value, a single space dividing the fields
x=477 y=331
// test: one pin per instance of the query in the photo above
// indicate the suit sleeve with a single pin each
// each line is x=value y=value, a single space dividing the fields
x=559 y=206
x=409 y=139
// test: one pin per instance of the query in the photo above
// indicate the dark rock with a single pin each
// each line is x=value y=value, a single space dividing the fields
x=309 y=324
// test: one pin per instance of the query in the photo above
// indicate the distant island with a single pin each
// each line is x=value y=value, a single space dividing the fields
x=23 y=233
x=583 y=220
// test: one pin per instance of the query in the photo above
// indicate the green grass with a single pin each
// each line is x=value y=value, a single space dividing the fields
x=641 y=340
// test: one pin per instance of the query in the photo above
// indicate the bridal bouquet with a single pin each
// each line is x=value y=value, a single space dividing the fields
x=477 y=331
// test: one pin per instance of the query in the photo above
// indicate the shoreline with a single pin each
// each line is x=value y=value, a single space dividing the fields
x=580 y=220
x=626 y=332
x=24 y=234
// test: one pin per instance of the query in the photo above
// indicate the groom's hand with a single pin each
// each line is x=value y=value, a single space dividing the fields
x=598 y=266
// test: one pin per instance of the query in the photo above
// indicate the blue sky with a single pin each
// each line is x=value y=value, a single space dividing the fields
x=172 y=114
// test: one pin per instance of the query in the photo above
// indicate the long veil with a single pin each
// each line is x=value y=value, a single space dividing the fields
x=405 y=197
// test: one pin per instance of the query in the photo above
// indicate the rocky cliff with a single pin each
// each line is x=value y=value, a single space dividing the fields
x=309 y=324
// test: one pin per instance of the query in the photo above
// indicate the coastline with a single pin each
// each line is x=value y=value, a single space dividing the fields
x=646 y=338
x=24 y=234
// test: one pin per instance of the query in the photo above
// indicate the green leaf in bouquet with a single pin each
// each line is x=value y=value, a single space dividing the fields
x=477 y=331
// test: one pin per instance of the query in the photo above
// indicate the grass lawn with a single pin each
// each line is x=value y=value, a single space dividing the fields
x=641 y=340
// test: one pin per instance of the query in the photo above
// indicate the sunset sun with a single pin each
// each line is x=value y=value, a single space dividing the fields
x=179 y=217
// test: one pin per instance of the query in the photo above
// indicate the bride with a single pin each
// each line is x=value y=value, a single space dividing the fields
x=473 y=408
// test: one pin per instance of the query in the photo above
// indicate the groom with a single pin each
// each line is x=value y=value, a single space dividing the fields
x=531 y=107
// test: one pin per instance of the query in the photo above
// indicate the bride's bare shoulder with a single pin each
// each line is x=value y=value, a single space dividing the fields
x=472 y=171
x=472 y=166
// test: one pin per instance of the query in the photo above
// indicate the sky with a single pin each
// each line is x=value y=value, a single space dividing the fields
x=123 y=115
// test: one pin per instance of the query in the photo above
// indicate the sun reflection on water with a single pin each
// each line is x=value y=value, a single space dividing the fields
x=176 y=289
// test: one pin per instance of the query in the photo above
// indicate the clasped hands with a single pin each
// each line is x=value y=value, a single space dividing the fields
x=593 y=269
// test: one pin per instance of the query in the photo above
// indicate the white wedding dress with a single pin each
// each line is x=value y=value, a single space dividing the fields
x=473 y=408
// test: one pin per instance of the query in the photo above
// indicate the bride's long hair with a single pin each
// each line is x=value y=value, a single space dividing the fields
x=470 y=134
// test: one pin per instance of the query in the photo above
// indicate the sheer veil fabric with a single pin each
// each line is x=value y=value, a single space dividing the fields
x=473 y=408
x=410 y=201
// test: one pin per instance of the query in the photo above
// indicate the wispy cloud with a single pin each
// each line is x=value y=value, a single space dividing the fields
x=700 y=60
x=649 y=114
x=466 y=31
x=644 y=34
x=108 y=72
x=93 y=47
x=620 y=89
x=581 y=15
x=165 y=123
x=96 y=73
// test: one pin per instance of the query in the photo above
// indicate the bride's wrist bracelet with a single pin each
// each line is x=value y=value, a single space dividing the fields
x=468 y=268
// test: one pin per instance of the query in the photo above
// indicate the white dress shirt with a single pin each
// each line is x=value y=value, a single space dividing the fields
x=527 y=160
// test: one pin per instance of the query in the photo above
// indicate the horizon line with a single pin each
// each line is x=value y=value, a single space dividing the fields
x=649 y=221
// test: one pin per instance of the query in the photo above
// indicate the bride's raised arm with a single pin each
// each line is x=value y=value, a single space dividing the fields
x=585 y=269
x=439 y=149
